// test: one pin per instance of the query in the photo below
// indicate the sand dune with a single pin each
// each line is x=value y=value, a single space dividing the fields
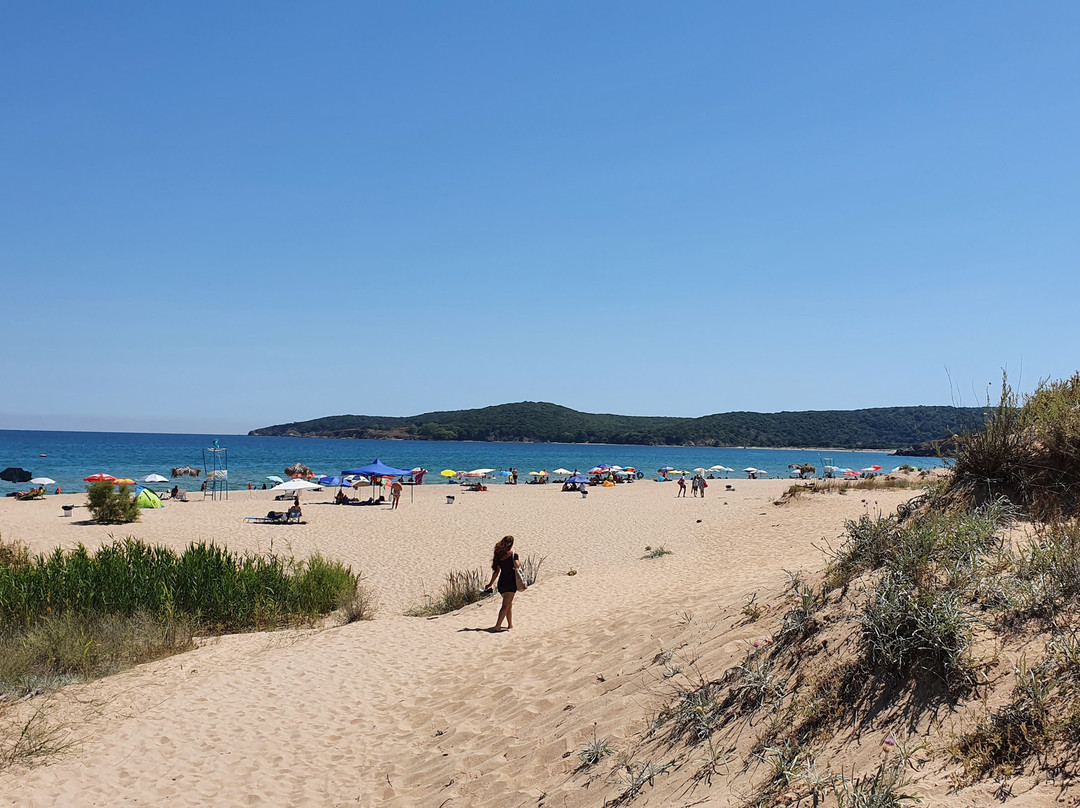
x=432 y=712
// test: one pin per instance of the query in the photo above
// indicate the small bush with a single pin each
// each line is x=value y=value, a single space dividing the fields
x=111 y=506
x=656 y=552
x=461 y=588
x=363 y=605
x=595 y=751
x=907 y=630
x=1041 y=718
x=1026 y=452
x=885 y=788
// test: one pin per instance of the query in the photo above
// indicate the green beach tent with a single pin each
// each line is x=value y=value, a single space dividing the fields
x=147 y=499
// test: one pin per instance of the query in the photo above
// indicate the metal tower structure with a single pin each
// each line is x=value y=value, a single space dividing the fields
x=216 y=467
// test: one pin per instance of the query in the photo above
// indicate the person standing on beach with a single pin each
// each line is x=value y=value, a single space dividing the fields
x=504 y=565
x=682 y=487
x=395 y=494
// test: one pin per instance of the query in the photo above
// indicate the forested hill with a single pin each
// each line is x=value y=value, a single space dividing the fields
x=540 y=422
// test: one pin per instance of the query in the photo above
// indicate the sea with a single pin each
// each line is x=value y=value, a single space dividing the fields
x=68 y=457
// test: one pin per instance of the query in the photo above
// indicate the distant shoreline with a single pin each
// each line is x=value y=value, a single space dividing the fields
x=565 y=443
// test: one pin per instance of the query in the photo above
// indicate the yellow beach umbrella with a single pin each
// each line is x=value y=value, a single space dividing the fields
x=448 y=473
x=124 y=481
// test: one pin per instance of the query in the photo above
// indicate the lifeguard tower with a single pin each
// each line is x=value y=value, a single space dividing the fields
x=216 y=467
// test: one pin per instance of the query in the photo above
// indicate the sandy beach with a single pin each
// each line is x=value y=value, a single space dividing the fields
x=404 y=711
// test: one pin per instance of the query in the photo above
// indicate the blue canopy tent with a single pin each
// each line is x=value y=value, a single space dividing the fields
x=336 y=482
x=377 y=469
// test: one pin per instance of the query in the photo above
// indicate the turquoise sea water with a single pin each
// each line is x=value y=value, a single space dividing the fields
x=71 y=456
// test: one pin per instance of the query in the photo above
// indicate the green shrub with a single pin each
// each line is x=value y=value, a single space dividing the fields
x=111 y=506
x=908 y=630
x=1026 y=452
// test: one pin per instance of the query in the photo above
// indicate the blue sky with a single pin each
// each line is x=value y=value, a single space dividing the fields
x=222 y=216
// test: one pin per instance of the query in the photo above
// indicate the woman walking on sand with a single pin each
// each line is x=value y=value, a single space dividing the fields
x=504 y=564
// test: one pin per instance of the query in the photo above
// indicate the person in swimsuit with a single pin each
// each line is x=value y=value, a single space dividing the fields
x=503 y=564
x=395 y=494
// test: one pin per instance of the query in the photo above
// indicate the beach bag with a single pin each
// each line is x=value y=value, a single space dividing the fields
x=521 y=585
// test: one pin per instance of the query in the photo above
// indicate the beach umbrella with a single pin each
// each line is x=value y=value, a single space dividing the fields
x=294 y=485
x=665 y=470
x=504 y=474
x=124 y=481
x=750 y=470
x=186 y=471
x=43 y=481
x=15 y=475
x=155 y=478
x=478 y=473
x=298 y=470
x=717 y=468
x=538 y=474
x=700 y=471
x=99 y=478
x=562 y=471
x=448 y=473
x=577 y=478
x=274 y=479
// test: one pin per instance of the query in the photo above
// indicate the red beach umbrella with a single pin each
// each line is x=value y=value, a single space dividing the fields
x=99 y=478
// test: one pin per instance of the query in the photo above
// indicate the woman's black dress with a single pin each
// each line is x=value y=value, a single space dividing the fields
x=507 y=580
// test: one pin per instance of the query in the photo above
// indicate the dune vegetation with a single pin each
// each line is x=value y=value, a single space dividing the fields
x=962 y=605
x=74 y=615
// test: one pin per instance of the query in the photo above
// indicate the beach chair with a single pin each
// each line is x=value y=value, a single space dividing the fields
x=272 y=518
x=181 y=495
x=293 y=516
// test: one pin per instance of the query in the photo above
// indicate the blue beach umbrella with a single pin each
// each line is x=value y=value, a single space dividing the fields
x=577 y=478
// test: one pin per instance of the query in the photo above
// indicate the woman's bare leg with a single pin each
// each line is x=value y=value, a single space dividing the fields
x=504 y=611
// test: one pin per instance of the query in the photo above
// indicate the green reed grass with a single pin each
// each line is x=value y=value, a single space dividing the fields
x=217 y=589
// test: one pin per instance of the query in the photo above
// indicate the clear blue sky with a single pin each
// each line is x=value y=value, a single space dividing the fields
x=225 y=215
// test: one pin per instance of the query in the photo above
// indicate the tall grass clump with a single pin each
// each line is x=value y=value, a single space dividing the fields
x=1027 y=451
x=1041 y=719
x=916 y=619
x=460 y=588
x=910 y=630
x=27 y=739
x=13 y=554
x=111 y=506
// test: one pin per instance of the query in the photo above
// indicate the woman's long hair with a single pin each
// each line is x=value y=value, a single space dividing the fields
x=502 y=550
